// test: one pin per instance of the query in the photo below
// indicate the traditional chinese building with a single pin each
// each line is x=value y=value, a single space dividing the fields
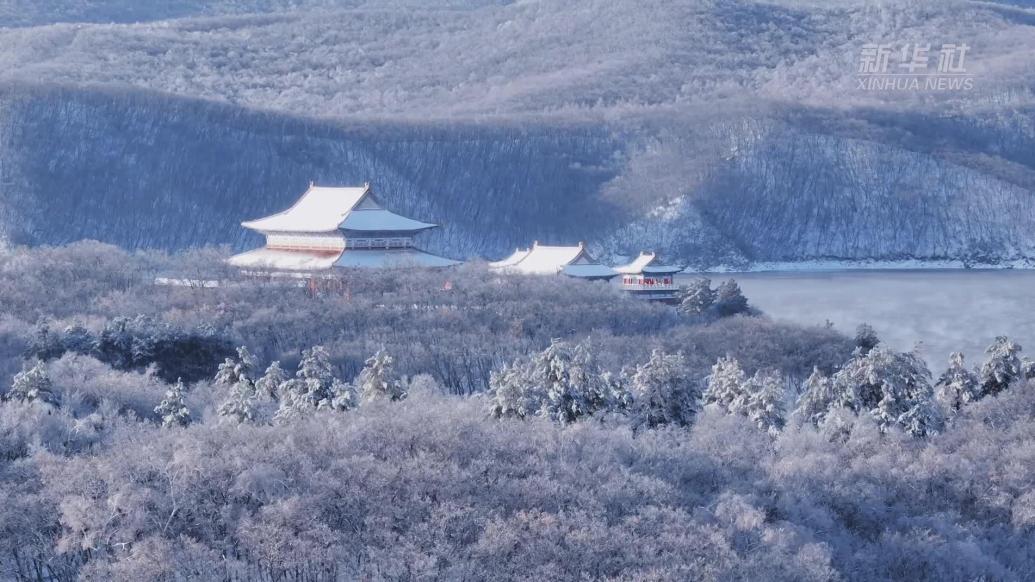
x=646 y=278
x=573 y=261
x=330 y=228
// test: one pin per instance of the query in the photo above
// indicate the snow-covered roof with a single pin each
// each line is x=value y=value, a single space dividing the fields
x=547 y=260
x=323 y=209
x=387 y=258
x=282 y=260
x=594 y=271
x=381 y=221
x=551 y=260
x=647 y=263
x=516 y=257
x=662 y=270
x=637 y=264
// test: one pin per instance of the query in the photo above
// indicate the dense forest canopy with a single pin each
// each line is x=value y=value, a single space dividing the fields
x=454 y=424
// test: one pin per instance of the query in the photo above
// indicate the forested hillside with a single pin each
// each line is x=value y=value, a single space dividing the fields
x=149 y=171
x=14 y=13
x=145 y=171
x=504 y=427
x=716 y=132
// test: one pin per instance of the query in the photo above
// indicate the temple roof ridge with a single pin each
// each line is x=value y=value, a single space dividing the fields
x=647 y=262
x=323 y=209
x=540 y=259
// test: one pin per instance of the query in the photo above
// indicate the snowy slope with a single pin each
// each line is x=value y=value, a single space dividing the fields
x=576 y=58
x=146 y=171
x=20 y=13
x=150 y=171
x=717 y=132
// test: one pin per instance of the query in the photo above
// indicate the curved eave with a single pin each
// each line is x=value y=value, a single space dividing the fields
x=646 y=264
x=269 y=231
x=662 y=270
x=318 y=210
x=516 y=257
x=383 y=233
x=264 y=226
x=265 y=259
x=391 y=258
x=382 y=221
x=589 y=272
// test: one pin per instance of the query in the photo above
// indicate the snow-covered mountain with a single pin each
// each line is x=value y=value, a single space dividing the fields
x=718 y=132
x=150 y=171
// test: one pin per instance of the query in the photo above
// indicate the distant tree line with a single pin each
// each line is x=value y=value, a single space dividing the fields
x=136 y=344
x=564 y=383
x=103 y=301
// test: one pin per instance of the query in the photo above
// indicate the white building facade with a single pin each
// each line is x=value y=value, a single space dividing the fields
x=330 y=228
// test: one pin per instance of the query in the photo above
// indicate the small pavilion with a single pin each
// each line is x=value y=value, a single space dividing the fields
x=646 y=278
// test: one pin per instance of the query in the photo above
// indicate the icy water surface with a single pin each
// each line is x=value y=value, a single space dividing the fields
x=946 y=310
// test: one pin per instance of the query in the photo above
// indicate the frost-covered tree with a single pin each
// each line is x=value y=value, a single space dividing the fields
x=234 y=370
x=172 y=410
x=377 y=380
x=226 y=374
x=513 y=393
x=1002 y=366
x=315 y=369
x=344 y=396
x=423 y=384
x=241 y=404
x=760 y=398
x=235 y=375
x=816 y=399
x=268 y=387
x=45 y=344
x=894 y=388
x=697 y=298
x=958 y=386
x=1028 y=368
x=258 y=402
x=77 y=339
x=32 y=384
x=570 y=381
x=294 y=401
x=663 y=392
x=727 y=385
x=314 y=386
x=729 y=299
x=562 y=383
x=614 y=388
x=114 y=345
x=763 y=402
x=866 y=338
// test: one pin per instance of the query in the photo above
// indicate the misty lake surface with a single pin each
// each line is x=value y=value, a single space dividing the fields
x=946 y=310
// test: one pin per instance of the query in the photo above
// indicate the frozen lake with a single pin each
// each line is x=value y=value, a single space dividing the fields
x=946 y=310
